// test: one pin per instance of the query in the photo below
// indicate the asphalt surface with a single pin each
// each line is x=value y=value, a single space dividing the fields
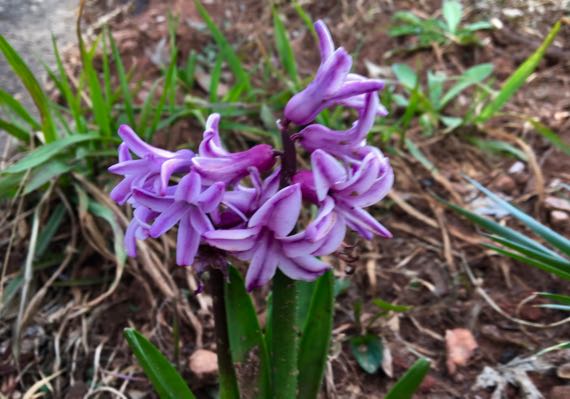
x=28 y=26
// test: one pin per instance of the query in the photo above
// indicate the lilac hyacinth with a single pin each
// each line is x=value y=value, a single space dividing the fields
x=264 y=241
x=332 y=85
x=241 y=204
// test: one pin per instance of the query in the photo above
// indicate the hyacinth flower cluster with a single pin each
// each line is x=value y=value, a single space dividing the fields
x=248 y=204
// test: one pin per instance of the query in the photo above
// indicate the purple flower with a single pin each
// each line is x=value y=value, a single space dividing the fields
x=361 y=185
x=266 y=245
x=215 y=163
x=332 y=84
x=341 y=142
x=138 y=228
x=188 y=208
x=153 y=168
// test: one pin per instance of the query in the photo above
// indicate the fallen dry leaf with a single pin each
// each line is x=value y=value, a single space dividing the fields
x=460 y=345
x=203 y=363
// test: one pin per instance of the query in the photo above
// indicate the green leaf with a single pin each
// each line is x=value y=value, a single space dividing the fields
x=367 y=350
x=284 y=49
x=48 y=231
x=229 y=54
x=564 y=274
x=123 y=81
x=48 y=171
x=497 y=146
x=472 y=76
x=6 y=100
x=475 y=26
x=48 y=151
x=410 y=382
x=390 y=306
x=533 y=253
x=247 y=344
x=168 y=82
x=163 y=376
x=518 y=77
x=416 y=153
x=564 y=299
x=306 y=18
x=435 y=87
x=550 y=135
x=451 y=122
x=315 y=341
x=452 y=12
x=215 y=78
x=405 y=75
x=106 y=214
x=32 y=86
x=14 y=131
x=557 y=240
x=305 y=290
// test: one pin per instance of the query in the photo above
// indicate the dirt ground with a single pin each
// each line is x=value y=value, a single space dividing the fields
x=434 y=263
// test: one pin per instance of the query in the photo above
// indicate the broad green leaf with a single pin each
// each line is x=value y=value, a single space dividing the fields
x=472 y=76
x=390 y=306
x=315 y=341
x=410 y=382
x=533 y=253
x=163 y=376
x=557 y=240
x=405 y=75
x=550 y=268
x=452 y=11
x=475 y=26
x=6 y=100
x=451 y=122
x=48 y=171
x=435 y=87
x=15 y=131
x=225 y=47
x=367 y=350
x=247 y=344
x=47 y=151
x=305 y=290
x=284 y=49
x=32 y=86
x=518 y=77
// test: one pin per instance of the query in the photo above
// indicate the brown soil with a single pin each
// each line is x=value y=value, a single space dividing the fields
x=417 y=268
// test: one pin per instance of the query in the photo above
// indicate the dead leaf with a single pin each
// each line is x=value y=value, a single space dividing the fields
x=460 y=345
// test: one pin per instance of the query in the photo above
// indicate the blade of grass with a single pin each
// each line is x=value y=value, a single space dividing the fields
x=518 y=78
x=215 y=78
x=531 y=252
x=550 y=135
x=47 y=151
x=123 y=81
x=306 y=18
x=410 y=382
x=14 y=131
x=6 y=100
x=32 y=86
x=49 y=230
x=225 y=47
x=532 y=262
x=284 y=49
x=108 y=91
x=190 y=69
x=48 y=171
x=557 y=240
x=168 y=82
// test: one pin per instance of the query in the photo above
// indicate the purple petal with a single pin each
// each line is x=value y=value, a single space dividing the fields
x=379 y=189
x=307 y=181
x=332 y=73
x=364 y=220
x=306 y=268
x=124 y=154
x=326 y=44
x=189 y=188
x=122 y=191
x=135 y=166
x=138 y=146
x=364 y=176
x=170 y=167
x=232 y=240
x=332 y=241
x=187 y=242
x=327 y=171
x=351 y=89
x=211 y=198
x=280 y=212
x=166 y=220
x=152 y=201
x=130 y=240
x=263 y=264
x=199 y=220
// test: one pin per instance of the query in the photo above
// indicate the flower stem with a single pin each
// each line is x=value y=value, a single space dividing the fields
x=228 y=381
x=284 y=335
